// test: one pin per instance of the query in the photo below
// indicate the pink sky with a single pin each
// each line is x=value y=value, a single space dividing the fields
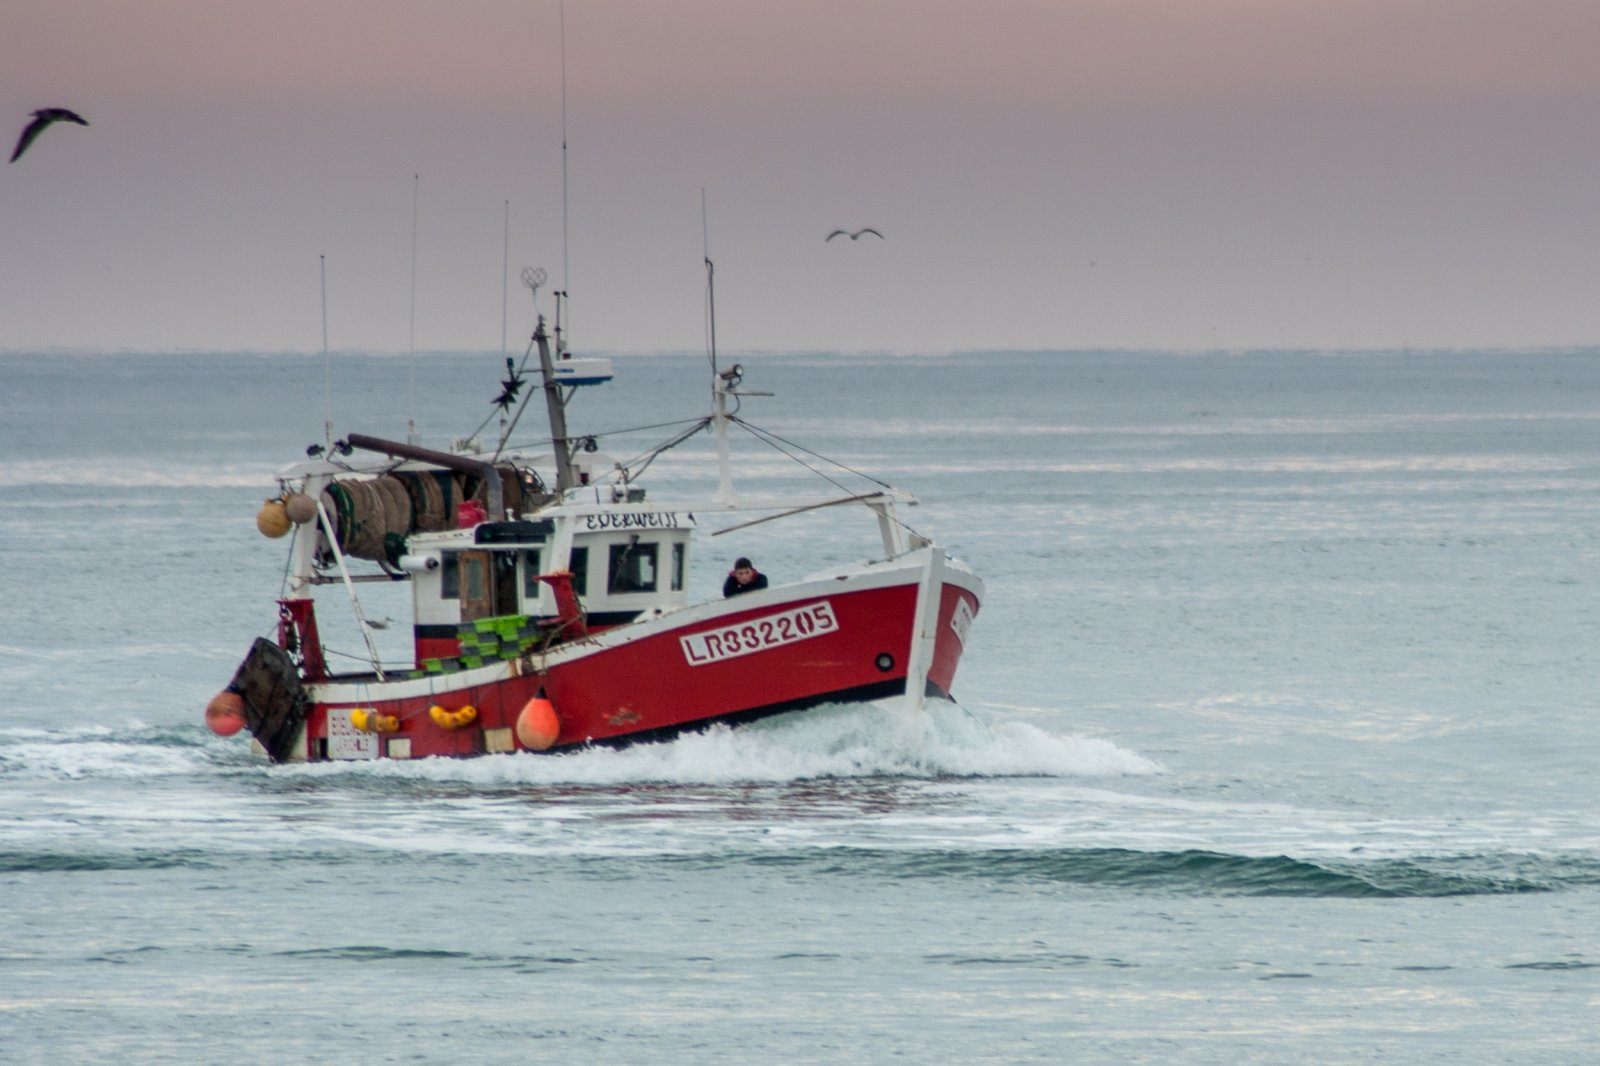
x=1128 y=173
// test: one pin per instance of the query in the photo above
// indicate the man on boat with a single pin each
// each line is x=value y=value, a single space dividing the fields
x=743 y=578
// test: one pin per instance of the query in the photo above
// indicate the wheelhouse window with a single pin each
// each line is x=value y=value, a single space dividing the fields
x=633 y=568
x=677 y=567
x=449 y=576
x=578 y=563
x=530 y=575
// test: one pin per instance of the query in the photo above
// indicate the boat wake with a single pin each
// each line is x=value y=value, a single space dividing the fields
x=87 y=752
x=841 y=741
x=877 y=793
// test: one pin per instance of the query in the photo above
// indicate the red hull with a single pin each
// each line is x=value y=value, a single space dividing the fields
x=731 y=661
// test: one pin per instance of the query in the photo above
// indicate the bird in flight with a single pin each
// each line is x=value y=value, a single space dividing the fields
x=853 y=236
x=41 y=119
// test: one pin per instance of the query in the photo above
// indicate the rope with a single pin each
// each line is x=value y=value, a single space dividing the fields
x=697 y=422
x=768 y=438
x=767 y=433
x=651 y=455
x=363 y=659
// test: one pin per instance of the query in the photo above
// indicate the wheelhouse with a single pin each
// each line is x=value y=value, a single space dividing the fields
x=623 y=566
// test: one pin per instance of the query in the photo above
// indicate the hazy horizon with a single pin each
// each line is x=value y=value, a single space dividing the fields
x=1175 y=175
x=725 y=355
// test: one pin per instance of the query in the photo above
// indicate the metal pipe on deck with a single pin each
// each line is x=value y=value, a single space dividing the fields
x=487 y=471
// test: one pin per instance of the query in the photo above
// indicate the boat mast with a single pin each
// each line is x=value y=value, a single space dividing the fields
x=566 y=476
x=719 y=418
x=719 y=383
x=725 y=383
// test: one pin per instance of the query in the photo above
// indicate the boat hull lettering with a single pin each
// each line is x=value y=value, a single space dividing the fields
x=633 y=520
x=759 y=634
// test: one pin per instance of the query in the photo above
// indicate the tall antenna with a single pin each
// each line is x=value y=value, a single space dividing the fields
x=327 y=373
x=505 y=279
x=711 y=289
x=411 y=423
x=566 y=275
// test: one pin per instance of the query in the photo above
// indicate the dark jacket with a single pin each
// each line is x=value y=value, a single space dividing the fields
x=731 y=587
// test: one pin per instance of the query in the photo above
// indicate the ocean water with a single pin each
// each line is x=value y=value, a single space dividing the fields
x=1276 y=739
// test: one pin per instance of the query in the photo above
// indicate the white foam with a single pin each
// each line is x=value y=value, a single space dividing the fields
x=828 y=742
x=53 y=757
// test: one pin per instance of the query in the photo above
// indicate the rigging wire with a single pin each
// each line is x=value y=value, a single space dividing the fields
x=659 y=425
x=769 y=438
x=515 y=419
x=539 y=442
x=392 y=667
x=760 y=435
x=288 y=562
x=651 y=455
x=759 y=431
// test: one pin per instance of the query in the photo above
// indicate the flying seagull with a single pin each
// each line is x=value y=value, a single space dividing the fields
x=853 y=236
x=41 y=119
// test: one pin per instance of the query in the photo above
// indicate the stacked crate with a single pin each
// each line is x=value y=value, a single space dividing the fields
x=487 y=640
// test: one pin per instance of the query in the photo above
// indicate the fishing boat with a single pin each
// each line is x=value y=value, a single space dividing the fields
x=550 y=597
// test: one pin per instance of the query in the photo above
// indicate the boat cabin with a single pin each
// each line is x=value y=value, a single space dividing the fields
x=624 y=563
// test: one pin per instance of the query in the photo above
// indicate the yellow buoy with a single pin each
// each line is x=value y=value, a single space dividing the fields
x=370 y=721
x=537 y=725
x=453 y=719
x=272 y=519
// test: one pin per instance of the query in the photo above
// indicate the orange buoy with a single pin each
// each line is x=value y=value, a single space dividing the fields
x=225 y=713
x=537 y=724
